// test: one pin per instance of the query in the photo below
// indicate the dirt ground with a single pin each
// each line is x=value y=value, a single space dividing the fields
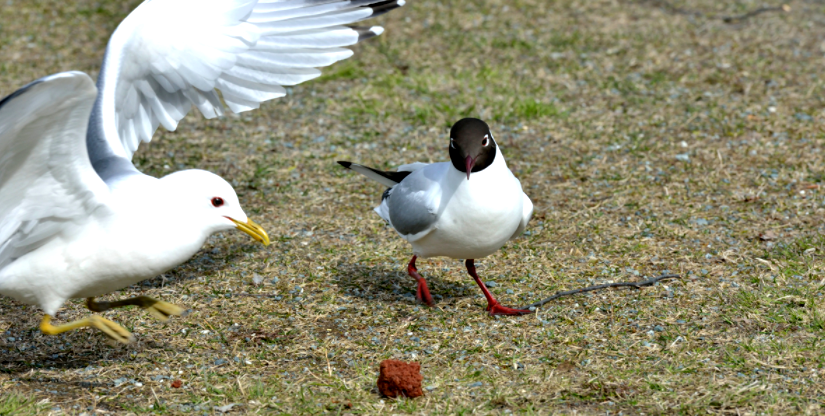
x=652 y=137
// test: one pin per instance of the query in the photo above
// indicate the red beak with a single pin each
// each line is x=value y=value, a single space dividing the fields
x=468 y=165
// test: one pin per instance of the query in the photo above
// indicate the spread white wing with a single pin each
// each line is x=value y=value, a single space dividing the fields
x=168 y=55
x=46 y=179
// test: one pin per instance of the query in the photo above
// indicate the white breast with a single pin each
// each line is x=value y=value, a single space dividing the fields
x=478 y=215
x=106 y=252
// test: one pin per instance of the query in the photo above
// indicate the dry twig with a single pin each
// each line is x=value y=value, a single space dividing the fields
x=732 y=19
x=637 y=285
x=727 y=19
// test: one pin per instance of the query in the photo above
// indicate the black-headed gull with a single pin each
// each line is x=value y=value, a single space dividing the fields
x=465 y=209
x=77 y=219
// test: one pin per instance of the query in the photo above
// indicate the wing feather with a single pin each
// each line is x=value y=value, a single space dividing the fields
x=46 y=179
x=414 y=204
x=158 y=64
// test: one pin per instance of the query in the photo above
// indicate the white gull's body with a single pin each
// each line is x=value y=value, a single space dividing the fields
x=77 y=219
x=466 y=208
x=468 y=219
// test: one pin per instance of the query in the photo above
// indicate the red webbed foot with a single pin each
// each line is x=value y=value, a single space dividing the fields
x=493 y=307
x=499 y=309
x=422 y=294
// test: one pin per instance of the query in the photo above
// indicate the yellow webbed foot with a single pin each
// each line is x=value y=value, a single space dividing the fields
x=163 y=310
x=111 y=329
x=157 y=308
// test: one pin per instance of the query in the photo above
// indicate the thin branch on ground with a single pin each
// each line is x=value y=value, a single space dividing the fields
x=637 y=285
x=727 y=19
x=731 y=19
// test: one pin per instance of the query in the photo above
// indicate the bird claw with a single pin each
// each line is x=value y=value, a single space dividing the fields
x=423 y=294
x=162 y=311
x=112 y=330
x=499 y=309
x=157 y=308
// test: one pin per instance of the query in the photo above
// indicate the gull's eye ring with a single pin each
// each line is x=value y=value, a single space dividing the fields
x=486 y=141
x=452 y=143
x=217 y=202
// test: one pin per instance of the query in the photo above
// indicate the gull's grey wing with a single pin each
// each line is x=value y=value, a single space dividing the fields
x=412 y=206
x=526 y=215
x=46 y=179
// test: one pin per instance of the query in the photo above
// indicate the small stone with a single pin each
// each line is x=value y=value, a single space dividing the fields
x=398 y=378
x=257 y=279
x=491 y=284
x=225 y=409
x=177 y=384
x=658 y=328
x=510 y=291
x=767 y=235
x=476 y=384
x=566 y=367
x=683 y=157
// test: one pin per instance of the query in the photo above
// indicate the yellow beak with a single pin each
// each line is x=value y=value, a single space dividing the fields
x=254 y=230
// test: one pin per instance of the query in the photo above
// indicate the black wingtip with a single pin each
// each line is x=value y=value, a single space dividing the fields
x=385 y=6
x=345 y=163
x=365 y=33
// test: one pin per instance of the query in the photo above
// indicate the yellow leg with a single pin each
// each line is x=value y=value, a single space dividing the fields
x=111 y=329
x=157 y=308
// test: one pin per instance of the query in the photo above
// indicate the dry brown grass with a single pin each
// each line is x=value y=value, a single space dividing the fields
x=592 y=101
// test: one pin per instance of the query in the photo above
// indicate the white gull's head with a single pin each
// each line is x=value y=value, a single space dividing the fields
x=212 y=202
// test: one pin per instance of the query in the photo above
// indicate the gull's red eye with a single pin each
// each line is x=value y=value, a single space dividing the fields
x=217 y=202
x=485 y=142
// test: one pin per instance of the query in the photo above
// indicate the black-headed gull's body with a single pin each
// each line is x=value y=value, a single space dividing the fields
x=77 y=219
x=465 y=209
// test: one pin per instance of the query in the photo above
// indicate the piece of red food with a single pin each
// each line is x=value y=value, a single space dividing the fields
x=398 y=378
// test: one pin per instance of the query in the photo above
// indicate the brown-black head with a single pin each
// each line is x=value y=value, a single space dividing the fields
x=472 y=147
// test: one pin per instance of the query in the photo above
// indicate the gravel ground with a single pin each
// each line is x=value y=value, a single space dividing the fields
x=653 y=137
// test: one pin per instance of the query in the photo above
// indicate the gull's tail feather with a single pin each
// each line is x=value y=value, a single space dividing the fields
x=387 y=178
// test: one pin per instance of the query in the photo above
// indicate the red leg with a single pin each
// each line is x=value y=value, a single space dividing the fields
x=423 y=292
x=493 y=307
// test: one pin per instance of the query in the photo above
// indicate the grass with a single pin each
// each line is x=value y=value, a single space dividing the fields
x=13 y=403
x=649 y=138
